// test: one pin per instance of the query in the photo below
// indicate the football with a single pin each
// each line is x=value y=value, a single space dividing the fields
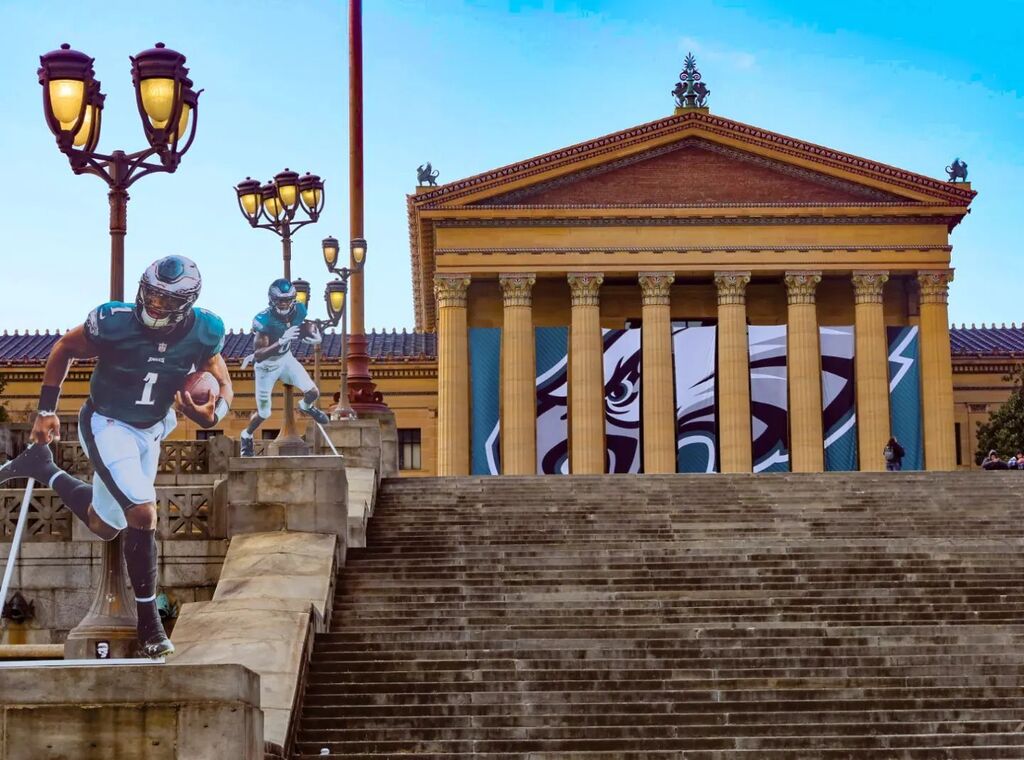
x=202 y=386
x=307 y=330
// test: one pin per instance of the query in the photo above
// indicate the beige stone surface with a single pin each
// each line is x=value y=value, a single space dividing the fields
x=268 y=635
x=275 y=588
x=306 y=494
x=362 y=494
x=134 y=712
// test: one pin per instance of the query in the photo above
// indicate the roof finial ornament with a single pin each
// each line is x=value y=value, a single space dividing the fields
x=690 y=92
x=957 y=170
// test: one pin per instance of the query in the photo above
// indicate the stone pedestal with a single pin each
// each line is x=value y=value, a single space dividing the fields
x=388 y=441
x=357 y=440
x=131 y=712
x=287 y=493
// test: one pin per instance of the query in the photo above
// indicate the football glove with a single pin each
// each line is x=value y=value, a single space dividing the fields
x=313 y=338
x=288 y=336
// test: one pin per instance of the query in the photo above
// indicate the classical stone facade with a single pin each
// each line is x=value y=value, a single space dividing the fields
x=692 y=218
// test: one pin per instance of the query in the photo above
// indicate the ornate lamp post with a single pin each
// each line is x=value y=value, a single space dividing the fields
x=275 y=206
x=337 y=303
x=73 y=107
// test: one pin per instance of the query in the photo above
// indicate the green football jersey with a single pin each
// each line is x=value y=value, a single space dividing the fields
x=139 y=370
x=273 y=326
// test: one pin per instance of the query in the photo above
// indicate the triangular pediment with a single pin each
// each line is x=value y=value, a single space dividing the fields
x=692 y=171
x=692 y=158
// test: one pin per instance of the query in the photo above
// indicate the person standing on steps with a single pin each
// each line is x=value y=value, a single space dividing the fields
x=893 y=454
x=275 y=329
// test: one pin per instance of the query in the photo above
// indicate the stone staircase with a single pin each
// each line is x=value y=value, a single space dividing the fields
x=773 y=616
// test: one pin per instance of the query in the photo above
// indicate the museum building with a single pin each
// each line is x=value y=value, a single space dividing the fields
x=693 y=294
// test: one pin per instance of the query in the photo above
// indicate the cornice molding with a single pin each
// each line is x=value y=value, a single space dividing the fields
x=923 y=248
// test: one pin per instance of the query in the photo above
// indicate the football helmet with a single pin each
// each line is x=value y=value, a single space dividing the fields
x=167 y=290
x=282 y=295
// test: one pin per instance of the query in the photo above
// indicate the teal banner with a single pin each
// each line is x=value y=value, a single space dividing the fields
x=552 y=345
x=905 y=394
x=485 y=378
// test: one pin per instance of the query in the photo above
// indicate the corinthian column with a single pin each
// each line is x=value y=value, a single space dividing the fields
x=936 y=371
x=806 y=446
x=733 y=372
x=518 y=377
x=659 y=432
x=586 y=386
x=452 y=374
x=871 y=364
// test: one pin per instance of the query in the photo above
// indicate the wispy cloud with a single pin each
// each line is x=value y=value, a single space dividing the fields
x=714 y=53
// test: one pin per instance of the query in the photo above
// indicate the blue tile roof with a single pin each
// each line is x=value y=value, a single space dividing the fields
x=25 y=348
x=987 y=340
x=33 y=348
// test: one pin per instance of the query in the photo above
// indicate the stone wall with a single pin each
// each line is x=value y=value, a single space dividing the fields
x=130 y=712
x=60 y=578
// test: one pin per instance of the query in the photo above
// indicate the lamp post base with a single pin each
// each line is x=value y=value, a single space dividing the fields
x=288 y=442
x=111 y=618
x=291 y=446
x=363 y=395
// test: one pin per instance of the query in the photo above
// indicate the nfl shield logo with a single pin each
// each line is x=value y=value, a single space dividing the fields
x=161 y=347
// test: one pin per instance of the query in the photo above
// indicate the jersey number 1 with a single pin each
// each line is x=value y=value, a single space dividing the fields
x=147 y=391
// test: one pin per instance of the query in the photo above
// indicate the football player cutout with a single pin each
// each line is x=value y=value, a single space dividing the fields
x=143 y=351
x=275 y=329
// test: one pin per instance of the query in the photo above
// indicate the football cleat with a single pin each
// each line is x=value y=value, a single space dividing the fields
x=35 y=462
x=157 y=645
x=248 y=446
x=315 y=412
x=153 y=641
x=282 y=295
x=168 y=289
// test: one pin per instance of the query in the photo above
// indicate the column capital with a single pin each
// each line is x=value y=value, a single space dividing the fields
x=732 y=287
x=586 y=287
x=868 y=285
x=656 y=287
x=934 y=285
x=450 y=290
x=517 y=288
x=800 y=286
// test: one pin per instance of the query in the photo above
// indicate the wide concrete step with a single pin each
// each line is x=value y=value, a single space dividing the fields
x=783 y=616
x=877 y=742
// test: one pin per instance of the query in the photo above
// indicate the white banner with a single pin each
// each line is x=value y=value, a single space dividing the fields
x=693 y=350
x=769 y=397
x=622 y=399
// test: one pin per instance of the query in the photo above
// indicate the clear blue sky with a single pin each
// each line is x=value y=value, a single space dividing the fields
x=475 y=84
